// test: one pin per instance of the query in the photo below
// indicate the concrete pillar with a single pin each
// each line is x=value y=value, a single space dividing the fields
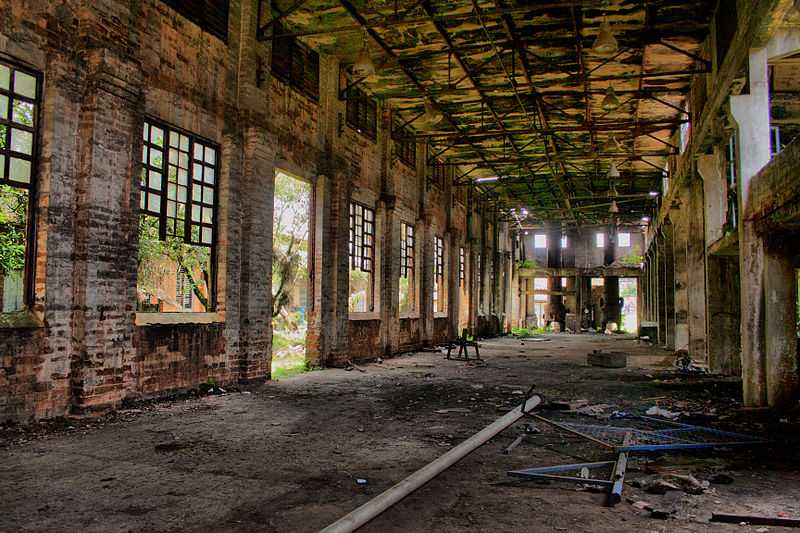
x=661 y=287
x=751 y=250
x=696 y=275
x=780 y=324
x=555 y=307
x=751 y=113
x=681 y=301
x=724 y=343
x=611 y=309
x=669 y=284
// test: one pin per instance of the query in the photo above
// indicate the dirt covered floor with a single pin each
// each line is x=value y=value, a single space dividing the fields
x=286 y=456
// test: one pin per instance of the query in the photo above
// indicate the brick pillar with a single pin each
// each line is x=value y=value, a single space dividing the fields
x=256 y=194
x=389 y=274
x=106 y=234
x=320 y=265
x=425 y=305
x=336 y=275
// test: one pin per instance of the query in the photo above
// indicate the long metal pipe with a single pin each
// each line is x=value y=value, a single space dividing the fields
x=360 y=516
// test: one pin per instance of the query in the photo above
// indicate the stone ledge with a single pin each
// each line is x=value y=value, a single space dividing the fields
x=24 y=319
x=177 y=319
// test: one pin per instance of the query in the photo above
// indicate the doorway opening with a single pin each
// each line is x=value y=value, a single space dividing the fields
x=290 y=278
x=628 y=288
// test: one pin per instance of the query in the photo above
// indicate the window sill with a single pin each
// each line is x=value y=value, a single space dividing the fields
x=442 y=314
x=168 y=319
x=24 y=319
x=404 y=316
x=367 y=315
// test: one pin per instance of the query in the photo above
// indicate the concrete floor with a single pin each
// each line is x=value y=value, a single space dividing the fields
x=285 y=456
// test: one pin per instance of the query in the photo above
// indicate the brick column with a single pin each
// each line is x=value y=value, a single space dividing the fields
x=255 y=296
x=106 y=231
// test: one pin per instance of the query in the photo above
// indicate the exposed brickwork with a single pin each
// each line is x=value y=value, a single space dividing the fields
x=106 y=66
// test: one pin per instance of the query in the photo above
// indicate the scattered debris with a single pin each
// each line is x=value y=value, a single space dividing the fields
x=607 y=359
x=564 y=405
x=349 y=366
x=642 y=505
x=660 y=514
x=668 y=482
x=657 y=411
x=361 y=481
x=720 y=479
x=752 y=520
x=593 y=410
x=453 y=410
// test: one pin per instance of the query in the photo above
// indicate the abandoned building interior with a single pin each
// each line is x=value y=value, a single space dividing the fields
x=260 y=260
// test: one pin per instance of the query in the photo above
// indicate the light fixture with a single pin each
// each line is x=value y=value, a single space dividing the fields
x=653 y=193
x=486 y=179
x=614 y=209
x=645 y=219
x=432 y=115
x=605 y=44
x=610 y=100
x=613 y=171
x=364 y=67
x=612 y=144
x=526 y=233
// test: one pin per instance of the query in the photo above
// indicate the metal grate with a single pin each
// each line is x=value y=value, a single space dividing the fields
x=651 y=434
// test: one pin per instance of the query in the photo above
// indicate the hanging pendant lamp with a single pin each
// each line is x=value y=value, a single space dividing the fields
x=610 y=100
x=605 y=44
x=612 y=144
x=364 y=67
x=432 y=115
x=613 y=171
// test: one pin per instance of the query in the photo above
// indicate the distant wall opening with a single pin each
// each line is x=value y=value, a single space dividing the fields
x=290 y=277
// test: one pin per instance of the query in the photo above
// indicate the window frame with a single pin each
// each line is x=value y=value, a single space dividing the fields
x=439 y=287
x=627 y=238
x=405 y=146
x=599 y=240
x=358 y=98
x=439 y=174
x=31 y=223
x=163 y=217
x=295 y=49
x=200 y=18
x=537 y=237
x=462 y=266
x=408 y=264
x=357 y=261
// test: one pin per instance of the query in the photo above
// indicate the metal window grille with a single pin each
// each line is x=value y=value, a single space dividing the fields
x=295 y=63
x=406 y=250
x=179 y=184
x=406 y=147
x=362 y=112
x=362 y=237
x=462 y=265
